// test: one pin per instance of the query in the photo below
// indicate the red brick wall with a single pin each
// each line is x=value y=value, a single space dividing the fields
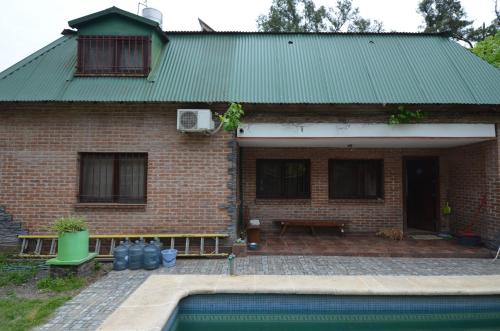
x=466 y=184
x=361 y=215
x=192 y=179
x=474 y=173
x=491 y=220
x=189 y=188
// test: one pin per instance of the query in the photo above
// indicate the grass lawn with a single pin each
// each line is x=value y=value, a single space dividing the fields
x=28 y=296
x=18 y=314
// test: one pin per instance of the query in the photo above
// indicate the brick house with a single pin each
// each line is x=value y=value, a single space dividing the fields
x=88 y=126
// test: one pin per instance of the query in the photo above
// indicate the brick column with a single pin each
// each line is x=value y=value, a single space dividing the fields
x=490 y=229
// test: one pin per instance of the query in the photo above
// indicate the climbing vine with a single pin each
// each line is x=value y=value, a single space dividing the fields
x=405 y=116
x=231 y=119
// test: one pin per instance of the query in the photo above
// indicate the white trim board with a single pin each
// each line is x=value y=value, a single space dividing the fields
x=363 y=135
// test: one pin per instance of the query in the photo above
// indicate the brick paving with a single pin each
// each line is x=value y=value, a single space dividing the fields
x=303 y=243
x=92 y=306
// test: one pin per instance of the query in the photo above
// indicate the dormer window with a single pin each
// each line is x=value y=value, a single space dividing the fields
x=113 y=55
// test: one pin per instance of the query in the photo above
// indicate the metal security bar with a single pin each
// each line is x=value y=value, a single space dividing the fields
x=45 y=246
x=113 y=177
x=113 y=55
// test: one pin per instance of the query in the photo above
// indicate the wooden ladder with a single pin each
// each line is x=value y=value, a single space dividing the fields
x=32 y=246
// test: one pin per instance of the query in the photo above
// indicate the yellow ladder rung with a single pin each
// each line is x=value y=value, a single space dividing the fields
x=97 y=248
x=112 y=246
x=38 y=247
x=53 y=244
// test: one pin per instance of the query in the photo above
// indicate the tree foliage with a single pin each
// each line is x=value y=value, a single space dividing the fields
x=449 y=16
x=489 y=49
x=446 y=16
x=305 y=16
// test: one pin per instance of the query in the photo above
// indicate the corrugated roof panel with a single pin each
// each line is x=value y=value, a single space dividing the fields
x=267 y=68
x=391 y=74
x=475 y=73
x=440 y=79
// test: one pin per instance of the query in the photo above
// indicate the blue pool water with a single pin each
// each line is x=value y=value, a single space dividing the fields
x=263 y=312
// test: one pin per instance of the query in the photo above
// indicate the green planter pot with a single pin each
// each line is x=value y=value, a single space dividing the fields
x=73 y=246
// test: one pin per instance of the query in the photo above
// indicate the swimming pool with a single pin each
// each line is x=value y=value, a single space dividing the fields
x=263 y=312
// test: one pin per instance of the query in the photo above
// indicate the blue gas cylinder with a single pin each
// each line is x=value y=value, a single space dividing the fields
x=135 y=256
x=151 y=256
x=159 y=244
x=120 y=255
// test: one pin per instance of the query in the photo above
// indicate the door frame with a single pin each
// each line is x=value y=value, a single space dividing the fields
x=438 y=188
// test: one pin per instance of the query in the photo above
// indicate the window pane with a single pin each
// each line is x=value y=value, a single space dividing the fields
x=268 y=178
x=283 y=179
x=131 y=55
x=131 y=188
x=113 y=177
x=355 y=179
x=296 y=181
x=98 y=55
x=97 y=178
x=113 y=55
x=346 y=179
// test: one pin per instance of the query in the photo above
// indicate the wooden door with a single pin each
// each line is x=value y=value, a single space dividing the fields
x=421 y=193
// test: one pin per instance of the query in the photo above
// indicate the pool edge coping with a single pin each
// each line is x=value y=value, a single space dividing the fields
x=149 y=307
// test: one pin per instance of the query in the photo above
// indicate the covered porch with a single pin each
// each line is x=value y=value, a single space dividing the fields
x=370 y=176
x=355 y=244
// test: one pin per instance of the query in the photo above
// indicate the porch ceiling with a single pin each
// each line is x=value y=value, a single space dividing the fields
x=363 y=135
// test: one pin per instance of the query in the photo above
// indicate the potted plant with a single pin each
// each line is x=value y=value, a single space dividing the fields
x=240 y=248
x=469 y=236
x=73 y=239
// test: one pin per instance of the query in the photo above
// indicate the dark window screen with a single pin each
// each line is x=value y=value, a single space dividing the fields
x=356 y=179
x=283 y=179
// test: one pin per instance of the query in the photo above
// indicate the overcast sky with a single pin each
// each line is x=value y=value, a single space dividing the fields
x=28 y=25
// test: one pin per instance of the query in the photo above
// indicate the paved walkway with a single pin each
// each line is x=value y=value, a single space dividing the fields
x=364 y=245
x=91 y=307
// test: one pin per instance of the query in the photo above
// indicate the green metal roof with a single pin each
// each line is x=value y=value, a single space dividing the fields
x=271 y=68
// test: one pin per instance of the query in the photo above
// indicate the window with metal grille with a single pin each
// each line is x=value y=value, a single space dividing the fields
x=113 y=177
x=356 y=179
x=113 y=55
x=283 y=179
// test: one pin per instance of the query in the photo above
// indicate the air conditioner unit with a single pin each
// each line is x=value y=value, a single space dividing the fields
x=194 y=120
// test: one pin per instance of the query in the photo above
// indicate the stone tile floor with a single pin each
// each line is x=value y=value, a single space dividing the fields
x=303 y=243
x=90 y=308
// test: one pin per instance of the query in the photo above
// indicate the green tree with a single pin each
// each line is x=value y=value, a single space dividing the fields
x=446 y=15
x=485 y=31
x=366 y=25
x=489 y=49
x=304 y=16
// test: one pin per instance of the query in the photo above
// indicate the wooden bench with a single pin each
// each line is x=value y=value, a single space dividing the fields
x=285 y=224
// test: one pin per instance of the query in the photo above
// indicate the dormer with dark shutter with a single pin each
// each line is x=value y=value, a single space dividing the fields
x=114 y=42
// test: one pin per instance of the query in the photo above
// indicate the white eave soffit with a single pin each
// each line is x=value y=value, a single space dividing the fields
x=375 y=135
